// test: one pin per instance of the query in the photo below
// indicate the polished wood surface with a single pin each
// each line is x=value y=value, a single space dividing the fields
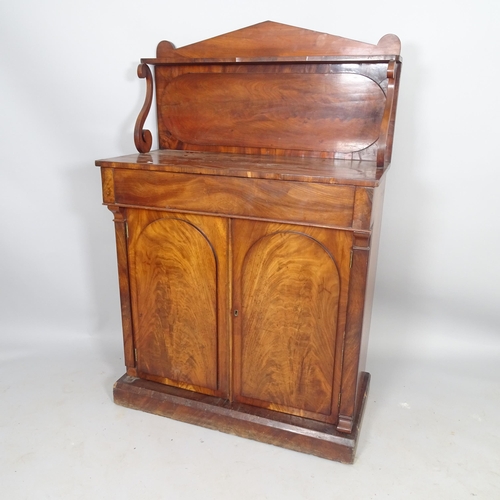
x=282 y=168
x=303 y=109
x=251 y=422
x=287 y=289
x=175 y=288
x=247 y=243
x=276 y=89
x=304 y=203
x=275 y=40
x=143 y=138
x=124 y=282
x=324 y=113
x=175 y=291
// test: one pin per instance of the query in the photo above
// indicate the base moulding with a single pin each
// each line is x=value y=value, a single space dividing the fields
x=267 y=426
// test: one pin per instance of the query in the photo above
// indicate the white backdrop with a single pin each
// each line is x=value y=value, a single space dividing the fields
x=69 y=95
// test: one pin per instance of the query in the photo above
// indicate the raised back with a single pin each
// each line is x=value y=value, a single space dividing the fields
x=275 y=89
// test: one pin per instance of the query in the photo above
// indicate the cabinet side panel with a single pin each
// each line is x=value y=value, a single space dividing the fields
x=365 y=252
x=354 y=330
x=175 y=287
x=376 y=222
x=290 y=296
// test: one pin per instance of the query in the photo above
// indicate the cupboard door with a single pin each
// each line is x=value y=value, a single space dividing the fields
x=289 y=301
x=178 y=268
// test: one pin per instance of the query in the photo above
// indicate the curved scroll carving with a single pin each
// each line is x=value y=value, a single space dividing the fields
x=384 y=147
x=143 y=138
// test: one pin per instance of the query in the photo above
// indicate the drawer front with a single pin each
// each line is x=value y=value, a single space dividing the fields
x=300 y=202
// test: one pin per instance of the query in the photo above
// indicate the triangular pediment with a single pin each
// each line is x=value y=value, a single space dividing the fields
x=270 y=39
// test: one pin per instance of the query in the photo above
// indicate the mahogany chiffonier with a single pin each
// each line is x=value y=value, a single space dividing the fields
x=247 y=242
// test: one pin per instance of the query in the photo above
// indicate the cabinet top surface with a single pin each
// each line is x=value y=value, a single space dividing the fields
x=282 y=168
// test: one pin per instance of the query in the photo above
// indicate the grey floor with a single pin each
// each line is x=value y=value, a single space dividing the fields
x=431 y=427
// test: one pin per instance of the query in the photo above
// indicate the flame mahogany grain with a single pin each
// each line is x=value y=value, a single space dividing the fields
x=247 y=243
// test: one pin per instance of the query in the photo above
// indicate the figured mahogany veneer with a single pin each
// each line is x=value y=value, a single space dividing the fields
x=247 y=242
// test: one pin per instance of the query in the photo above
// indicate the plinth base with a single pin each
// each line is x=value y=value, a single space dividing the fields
x=280 y=429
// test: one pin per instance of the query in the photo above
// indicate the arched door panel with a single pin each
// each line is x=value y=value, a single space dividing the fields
x=287 y=290
x=175 y=291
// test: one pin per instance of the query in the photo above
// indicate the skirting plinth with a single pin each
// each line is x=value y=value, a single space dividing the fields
x=288 y=431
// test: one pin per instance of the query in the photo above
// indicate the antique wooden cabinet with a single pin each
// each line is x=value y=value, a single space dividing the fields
x=247 y=242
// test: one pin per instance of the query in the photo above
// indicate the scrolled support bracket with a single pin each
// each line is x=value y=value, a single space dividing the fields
x=143 y=138
x=384 y=147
